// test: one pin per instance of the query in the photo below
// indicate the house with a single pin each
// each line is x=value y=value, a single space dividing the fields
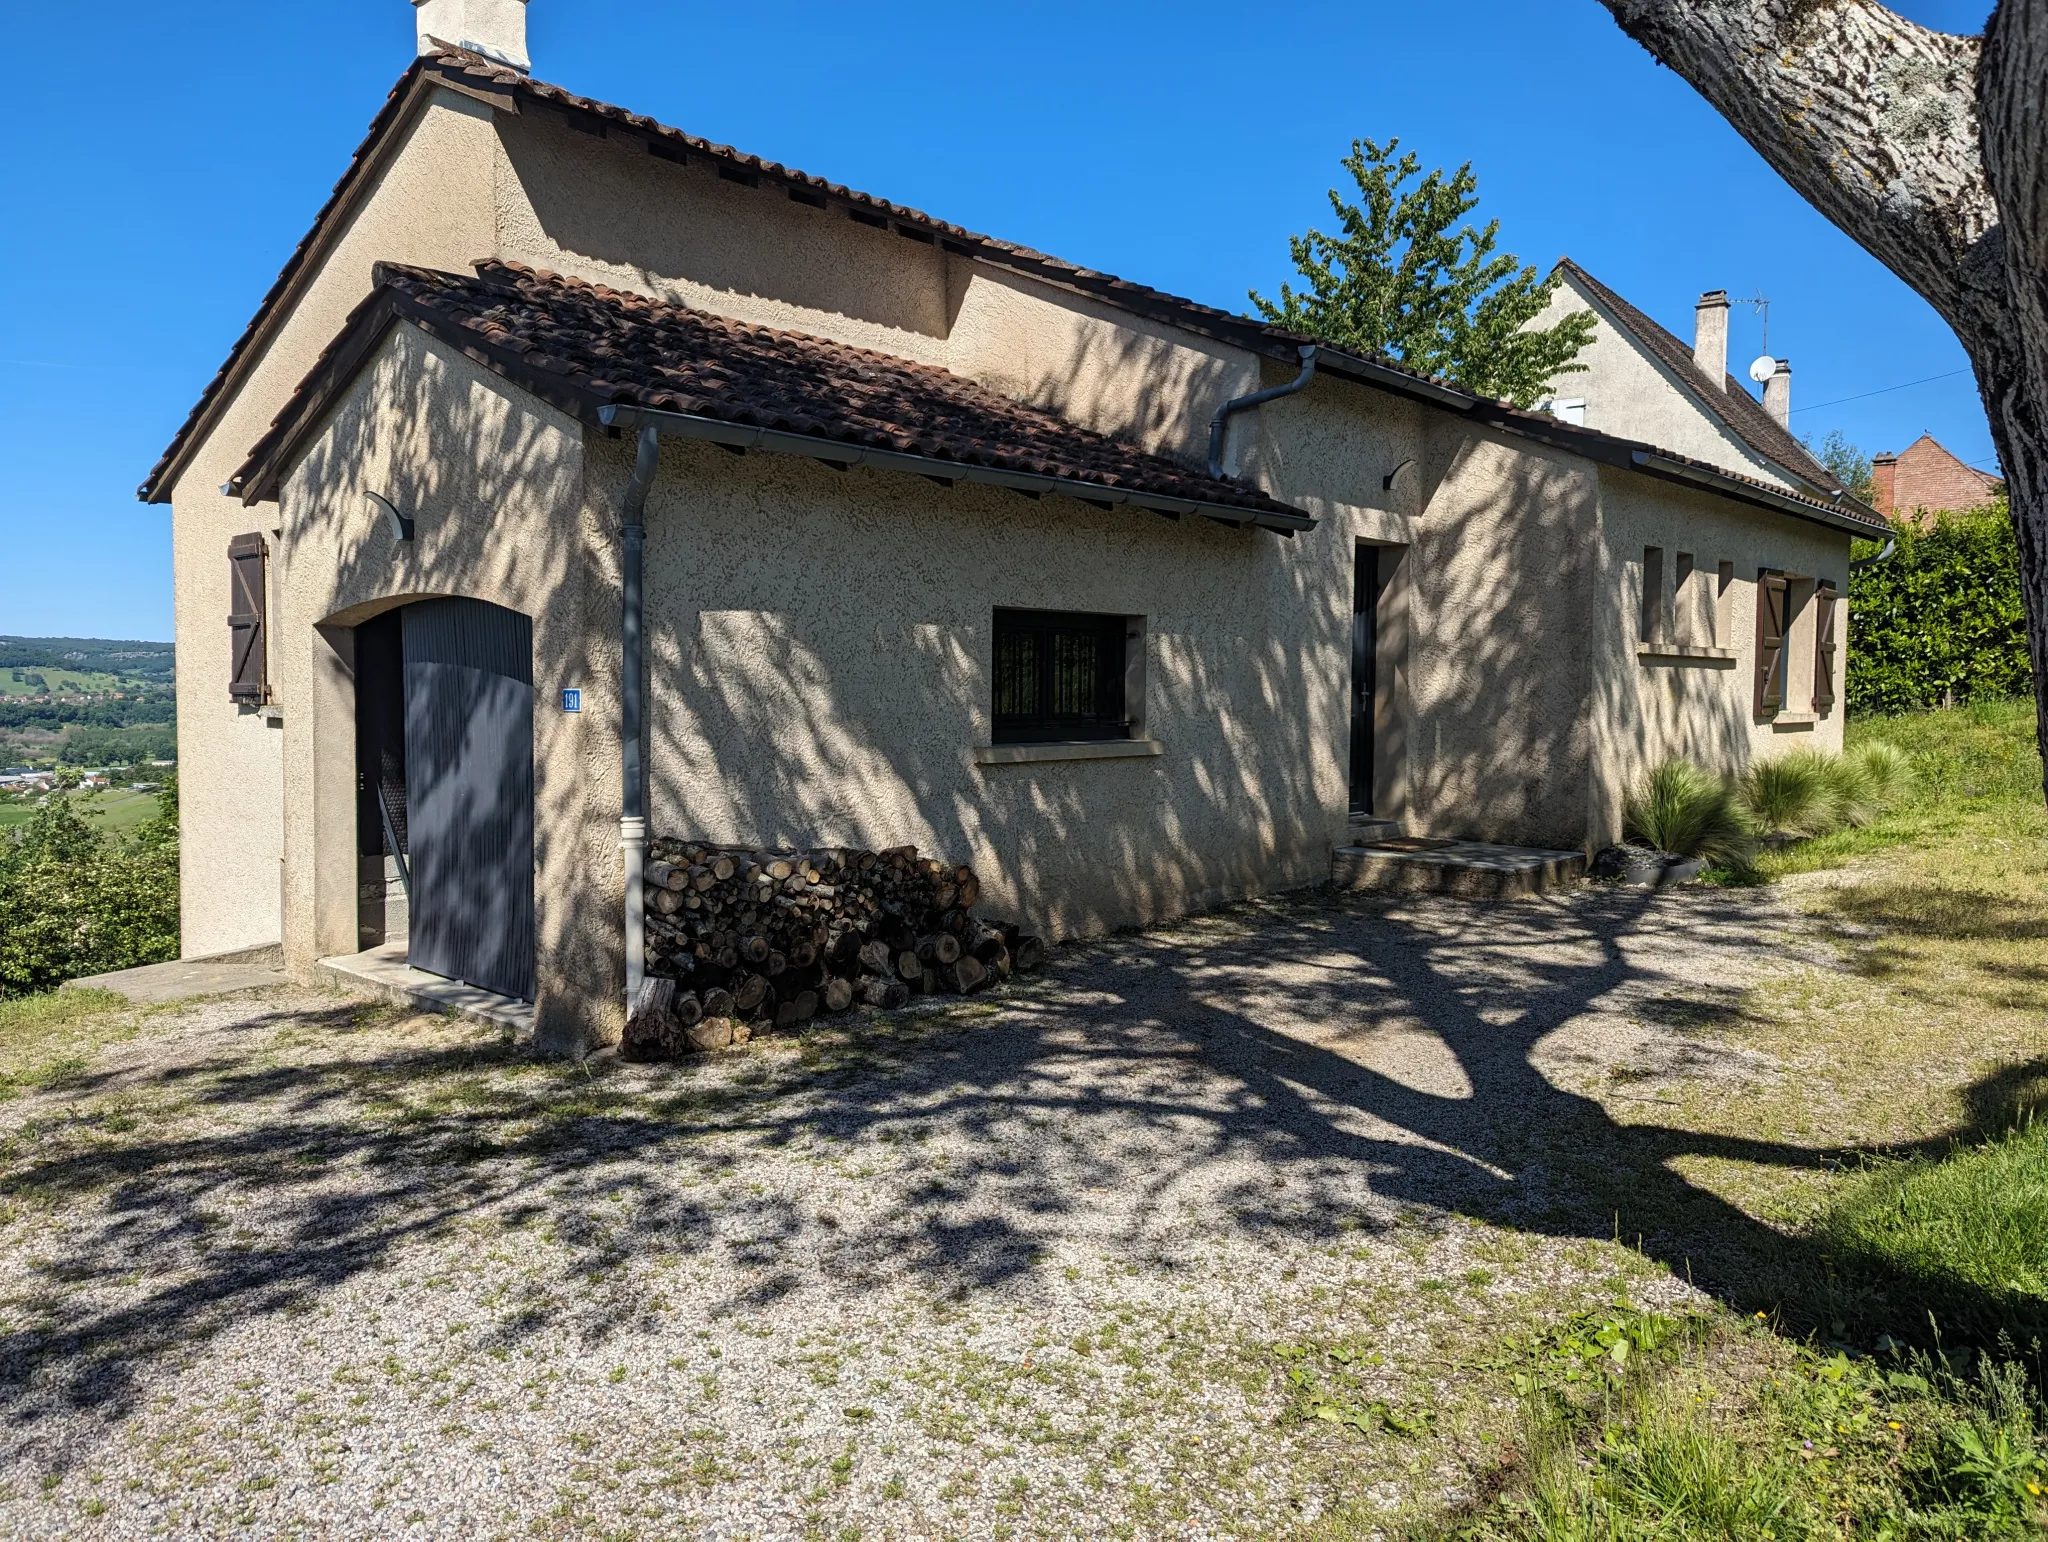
x=1926 y=479
x=579 y=477
x=1639 y=381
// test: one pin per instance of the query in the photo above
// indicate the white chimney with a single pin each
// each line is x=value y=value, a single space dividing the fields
x=494 y=28
x=1710 y=336
x=1778 y=394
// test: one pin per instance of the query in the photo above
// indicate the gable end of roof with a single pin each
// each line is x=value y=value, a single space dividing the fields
x=1731 y=406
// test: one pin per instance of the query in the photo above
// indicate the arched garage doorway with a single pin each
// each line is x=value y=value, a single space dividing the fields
x=444 y=777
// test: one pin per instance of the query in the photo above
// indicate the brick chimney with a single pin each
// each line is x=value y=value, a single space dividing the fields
x=1710 y=336
x=1884 y=475
x=1778 y=394
x=494 y=28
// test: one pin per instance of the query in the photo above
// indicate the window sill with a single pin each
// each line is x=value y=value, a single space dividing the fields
x=1090 y=749
x=1684 y=653
x=1795 y=720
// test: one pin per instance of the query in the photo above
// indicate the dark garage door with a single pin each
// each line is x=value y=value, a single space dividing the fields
x=469 y=792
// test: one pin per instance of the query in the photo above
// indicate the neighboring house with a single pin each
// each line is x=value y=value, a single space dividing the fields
x=935 y=551
x=1640 y=381
x=1925 y=479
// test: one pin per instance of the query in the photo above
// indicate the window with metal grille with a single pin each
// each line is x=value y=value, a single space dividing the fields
x=1058 y=676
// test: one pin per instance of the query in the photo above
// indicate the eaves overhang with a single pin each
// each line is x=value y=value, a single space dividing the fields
x=386 y=307
x=934 y=468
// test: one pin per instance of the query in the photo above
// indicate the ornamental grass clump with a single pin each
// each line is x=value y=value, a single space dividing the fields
x=1791 y=794
x=1889 y=768
x=1851 y=791
x=1811 y=792
x=1680 y=809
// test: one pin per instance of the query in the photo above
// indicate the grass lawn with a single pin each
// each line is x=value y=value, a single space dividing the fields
x=1877 y=1368
x=46 y=1039
x=114 y=810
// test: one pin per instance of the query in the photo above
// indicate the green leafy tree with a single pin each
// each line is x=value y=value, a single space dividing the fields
x=1849 y=464
x=1401 y=282
x=73 y=901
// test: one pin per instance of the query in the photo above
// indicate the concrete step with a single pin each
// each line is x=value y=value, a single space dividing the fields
x=1365 y=829
x=215 y=974
x=384 y=972
x=1474 y=869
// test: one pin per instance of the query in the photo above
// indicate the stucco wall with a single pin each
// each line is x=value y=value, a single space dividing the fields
x=1631 y=393
x=606 y=210
x=819 y=653
x=496 y=482
x=1649 y=708
x=430 y=205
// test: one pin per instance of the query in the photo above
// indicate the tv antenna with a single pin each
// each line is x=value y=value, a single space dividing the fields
x=1764 y=365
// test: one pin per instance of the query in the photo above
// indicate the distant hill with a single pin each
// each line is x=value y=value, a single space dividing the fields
x=151 y=661
x=86 y=701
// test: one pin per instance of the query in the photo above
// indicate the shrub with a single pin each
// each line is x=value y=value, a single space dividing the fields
x=1810 y=792
x=1940 y=621
x=1791 y=793
x=1680 y=809
x=75 y=902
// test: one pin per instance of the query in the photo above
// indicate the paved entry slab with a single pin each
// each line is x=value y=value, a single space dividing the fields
x=385 y=972
x=1474 y=869
x=213 y=974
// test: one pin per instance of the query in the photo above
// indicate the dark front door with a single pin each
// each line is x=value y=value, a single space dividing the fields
x=469 y=792
x=1365 y=604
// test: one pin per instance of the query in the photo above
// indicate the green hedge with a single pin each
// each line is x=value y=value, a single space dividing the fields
x=1940 y=621
x=74 y=900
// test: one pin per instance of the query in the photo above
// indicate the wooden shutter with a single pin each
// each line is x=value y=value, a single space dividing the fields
x=1773 y=597
x=1824 y=648
x=248 y=591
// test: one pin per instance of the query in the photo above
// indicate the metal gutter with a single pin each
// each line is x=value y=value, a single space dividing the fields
x=835 y=452
x=1350 y=366
x=1219 y=425
x=1749 y=492
x=1891 y=544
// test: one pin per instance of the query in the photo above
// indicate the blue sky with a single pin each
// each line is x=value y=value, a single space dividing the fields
x=160 y=162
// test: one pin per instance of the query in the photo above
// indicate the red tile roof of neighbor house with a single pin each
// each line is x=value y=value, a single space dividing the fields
x=1728 y=400
x=506 y=89
x=585 y=347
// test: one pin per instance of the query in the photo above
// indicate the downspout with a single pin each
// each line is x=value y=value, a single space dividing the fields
x=1891 y=544
x=632 y=694
x=1230 y=409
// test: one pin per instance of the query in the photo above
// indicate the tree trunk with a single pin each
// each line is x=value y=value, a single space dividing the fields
x=1931 y=152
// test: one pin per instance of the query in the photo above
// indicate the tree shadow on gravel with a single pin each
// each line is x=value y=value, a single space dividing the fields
x=1156 y=1092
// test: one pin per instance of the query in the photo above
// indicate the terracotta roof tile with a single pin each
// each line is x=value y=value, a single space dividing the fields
x=586 y=346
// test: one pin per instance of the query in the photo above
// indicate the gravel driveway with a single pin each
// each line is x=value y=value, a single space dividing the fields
x=1215 y=1231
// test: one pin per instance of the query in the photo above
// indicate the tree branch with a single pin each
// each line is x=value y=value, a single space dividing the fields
x=1872 y=118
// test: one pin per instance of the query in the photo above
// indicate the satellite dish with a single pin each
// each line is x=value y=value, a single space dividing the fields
x=1762 y=370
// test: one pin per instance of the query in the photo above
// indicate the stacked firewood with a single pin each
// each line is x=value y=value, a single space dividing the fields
x=740 y=940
